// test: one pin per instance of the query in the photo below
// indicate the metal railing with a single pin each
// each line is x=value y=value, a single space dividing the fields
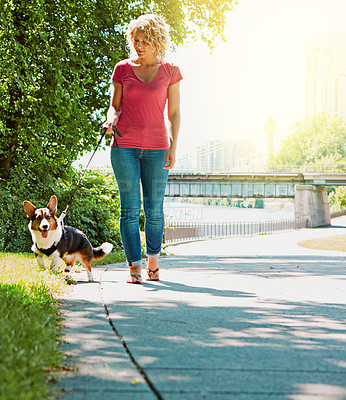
x=322 y=168
x=180 y=232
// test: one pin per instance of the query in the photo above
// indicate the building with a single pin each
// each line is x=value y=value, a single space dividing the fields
x=225 y=156
x=185 y=163
x=326 y=75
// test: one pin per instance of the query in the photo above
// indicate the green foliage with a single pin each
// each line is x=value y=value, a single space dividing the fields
x=94 y=208
x=111 y=258
x=317 y=140
x=337 y=198
x=57 y=59
x=316 y=143
x=194 y=18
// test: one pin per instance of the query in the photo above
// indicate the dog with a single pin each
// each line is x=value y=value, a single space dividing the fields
x=59 y=242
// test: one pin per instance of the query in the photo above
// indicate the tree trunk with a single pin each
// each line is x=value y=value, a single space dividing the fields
x=14 y=110
x=12 y=128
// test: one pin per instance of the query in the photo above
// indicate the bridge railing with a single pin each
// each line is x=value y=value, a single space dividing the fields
x=320 y=168
x=180 y=232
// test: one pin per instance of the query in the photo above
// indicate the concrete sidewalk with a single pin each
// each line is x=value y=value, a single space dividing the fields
x=242 y=318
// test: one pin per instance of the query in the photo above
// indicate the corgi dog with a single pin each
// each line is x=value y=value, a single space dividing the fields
x=59 y=242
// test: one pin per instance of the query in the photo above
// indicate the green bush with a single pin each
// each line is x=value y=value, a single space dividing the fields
x=337 y=198
x=94 y=209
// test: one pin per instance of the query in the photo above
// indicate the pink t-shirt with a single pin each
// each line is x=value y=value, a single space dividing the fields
x=142 y=123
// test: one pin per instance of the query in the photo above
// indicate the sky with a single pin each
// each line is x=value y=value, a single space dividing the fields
x=258 y=72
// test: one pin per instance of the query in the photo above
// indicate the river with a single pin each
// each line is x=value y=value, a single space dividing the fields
x=188 y=212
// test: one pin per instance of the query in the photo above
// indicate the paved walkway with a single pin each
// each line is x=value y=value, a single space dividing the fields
x=243 y=318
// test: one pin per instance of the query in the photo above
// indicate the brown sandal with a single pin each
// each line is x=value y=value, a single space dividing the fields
x=135 y=275
x=134 y=278
x=153 y=275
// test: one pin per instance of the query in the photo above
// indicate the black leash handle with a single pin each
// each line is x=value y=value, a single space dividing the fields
x=116 y=131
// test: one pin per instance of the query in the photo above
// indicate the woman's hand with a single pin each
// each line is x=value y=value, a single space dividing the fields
x=109 y=124
x=170 y=159
x=108 y=127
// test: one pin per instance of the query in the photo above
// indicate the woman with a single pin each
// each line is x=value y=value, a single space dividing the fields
x=143 y=156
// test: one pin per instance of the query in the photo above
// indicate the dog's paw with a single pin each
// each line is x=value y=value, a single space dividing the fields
x=90 y=276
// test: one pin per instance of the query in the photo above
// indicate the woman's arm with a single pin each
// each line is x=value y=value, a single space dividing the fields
x=113 y=112
x=174 y=119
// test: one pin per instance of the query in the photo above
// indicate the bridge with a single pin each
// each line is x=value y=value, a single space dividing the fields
x=307 y=188
x=278 y=185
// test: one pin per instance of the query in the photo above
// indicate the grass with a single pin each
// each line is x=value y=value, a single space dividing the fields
x=29 y=327
x=334 y=243
x=111 y=258
x=30 y=324
x=22 y=269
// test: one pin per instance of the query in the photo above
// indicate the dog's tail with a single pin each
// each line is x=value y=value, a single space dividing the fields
x=101 y=251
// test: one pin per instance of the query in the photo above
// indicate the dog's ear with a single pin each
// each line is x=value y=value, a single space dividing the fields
x=29 y=208
x=53 y=204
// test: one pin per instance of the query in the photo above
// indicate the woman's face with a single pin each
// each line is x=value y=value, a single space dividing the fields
x=142 y=47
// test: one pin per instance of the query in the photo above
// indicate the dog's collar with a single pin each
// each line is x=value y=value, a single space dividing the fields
x=50 y=250
x=54 y=246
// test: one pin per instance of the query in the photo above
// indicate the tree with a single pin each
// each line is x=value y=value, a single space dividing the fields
x=57 y=59
x=316 y=140
x=337 y=198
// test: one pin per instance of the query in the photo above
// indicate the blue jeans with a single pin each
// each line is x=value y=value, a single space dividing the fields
x=133 y=167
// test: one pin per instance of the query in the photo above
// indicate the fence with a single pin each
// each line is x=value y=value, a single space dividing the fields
x=189 y=231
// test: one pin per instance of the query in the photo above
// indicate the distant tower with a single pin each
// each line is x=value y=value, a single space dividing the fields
x=326 y=75
x=269 y=128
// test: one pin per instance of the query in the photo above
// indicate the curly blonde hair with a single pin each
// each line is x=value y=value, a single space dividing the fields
x=156 y=31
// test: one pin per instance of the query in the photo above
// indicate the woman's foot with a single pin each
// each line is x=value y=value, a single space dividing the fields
x=135 y=275
x=152 y=267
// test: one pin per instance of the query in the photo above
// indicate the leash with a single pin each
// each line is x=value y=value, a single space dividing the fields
x=115 y=131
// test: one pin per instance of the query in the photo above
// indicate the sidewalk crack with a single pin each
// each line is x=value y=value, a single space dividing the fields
x=125 y=346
